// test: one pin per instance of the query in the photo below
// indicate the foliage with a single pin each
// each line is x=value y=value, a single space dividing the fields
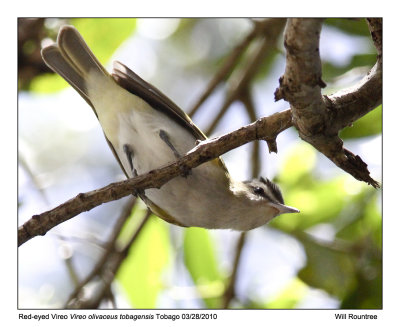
x=140 y=275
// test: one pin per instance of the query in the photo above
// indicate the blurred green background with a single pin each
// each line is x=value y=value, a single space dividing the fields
x=328 y=256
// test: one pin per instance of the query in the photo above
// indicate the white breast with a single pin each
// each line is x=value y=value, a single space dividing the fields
x=141 y=130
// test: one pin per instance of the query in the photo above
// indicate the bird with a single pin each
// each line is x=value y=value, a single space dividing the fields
x=146 y=130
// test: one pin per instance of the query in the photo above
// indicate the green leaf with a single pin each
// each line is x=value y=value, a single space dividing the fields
x=327 y=268
x=365 y=234
x=318 y=202
x=331 y=71
x=47 y=83
x=104 y=35
x=299 y=163
x=357 y=26
x=370 y=124
x=139 y=210
x=367 y=294
x=290 y=296
x=202 y=264
x=363 y=220
x=141 y=272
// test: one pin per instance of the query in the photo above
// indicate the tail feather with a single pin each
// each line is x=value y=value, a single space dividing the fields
x=75 y=48
x=71 y=58
x=57 y=62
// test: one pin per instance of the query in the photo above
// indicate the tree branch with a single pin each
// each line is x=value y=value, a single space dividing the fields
x=350 y=104
x=266 y=128
x=375 y=28
x=320 y=118
x=353 y=103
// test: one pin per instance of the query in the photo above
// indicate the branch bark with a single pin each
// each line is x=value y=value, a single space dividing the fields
x=318 y=118
x=266 y=128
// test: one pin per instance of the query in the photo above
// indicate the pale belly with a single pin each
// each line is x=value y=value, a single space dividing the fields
x=194 y=200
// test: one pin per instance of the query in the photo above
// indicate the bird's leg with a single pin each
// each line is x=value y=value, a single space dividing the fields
x=164 y=136
x=129 y=155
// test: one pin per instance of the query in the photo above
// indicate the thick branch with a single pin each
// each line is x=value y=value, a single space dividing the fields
x=301 y=84
x=266 y=128
x=319 y=119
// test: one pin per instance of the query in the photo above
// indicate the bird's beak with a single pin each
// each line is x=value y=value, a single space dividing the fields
x=284 y=209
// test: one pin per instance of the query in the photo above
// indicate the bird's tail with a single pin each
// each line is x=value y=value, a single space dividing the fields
x=71 y=58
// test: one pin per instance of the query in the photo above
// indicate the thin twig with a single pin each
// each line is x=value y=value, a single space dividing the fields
x=224 y=71
x=260 y=28
x=230 y=290
x=108 y=249
x=107 y=272
x=24 y=164
x=248 y=103
x=241 y=80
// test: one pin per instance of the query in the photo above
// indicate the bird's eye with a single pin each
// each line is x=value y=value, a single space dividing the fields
x=258 y=190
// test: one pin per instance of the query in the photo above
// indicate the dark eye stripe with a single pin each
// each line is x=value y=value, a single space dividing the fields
x=260 y=191
x=274 y=189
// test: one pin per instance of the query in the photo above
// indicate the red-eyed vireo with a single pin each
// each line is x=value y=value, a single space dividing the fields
x=145 y=130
